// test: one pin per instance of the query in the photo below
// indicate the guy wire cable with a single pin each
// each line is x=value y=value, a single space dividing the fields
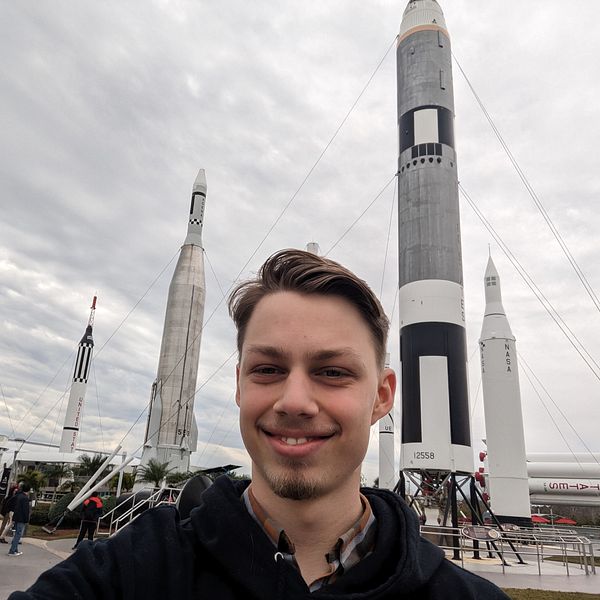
x=563 y=245
x=548 y=307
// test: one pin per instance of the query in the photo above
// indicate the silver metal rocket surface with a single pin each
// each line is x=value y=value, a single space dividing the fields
x=171 y=432
x=74 y=414
x=436 y=433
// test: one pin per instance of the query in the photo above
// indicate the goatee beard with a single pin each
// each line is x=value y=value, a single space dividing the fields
x=294 y=486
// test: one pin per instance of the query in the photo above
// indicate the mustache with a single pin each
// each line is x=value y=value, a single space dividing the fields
x=298 y=425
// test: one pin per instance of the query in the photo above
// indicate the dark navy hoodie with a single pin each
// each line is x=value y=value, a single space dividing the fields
x=221 y=553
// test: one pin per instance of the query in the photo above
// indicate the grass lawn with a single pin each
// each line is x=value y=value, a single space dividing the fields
x=36 y=531
x=546 y=595
x=572 y=559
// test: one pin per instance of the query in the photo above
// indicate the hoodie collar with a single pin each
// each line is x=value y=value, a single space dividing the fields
x=401 y=562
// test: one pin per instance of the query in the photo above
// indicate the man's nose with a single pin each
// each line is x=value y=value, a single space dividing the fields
x=297 y=396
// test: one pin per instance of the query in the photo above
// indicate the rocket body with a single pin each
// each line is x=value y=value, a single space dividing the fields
x=579 y=487
x=505 y=439
x=171 y=432
x=74 y=414
x=436 y=433
x=387 y=471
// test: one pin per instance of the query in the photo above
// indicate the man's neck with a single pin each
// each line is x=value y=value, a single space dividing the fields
x=313 y=526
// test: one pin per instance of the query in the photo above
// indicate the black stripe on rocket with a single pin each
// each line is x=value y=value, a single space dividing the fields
x=82 y=364
x=445 y=127
x=434 y=339
x=202 y=196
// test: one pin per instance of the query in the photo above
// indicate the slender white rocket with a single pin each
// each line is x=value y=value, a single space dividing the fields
x=171 y=431
x=74 y=414
x=387 y=469
x=505 y=438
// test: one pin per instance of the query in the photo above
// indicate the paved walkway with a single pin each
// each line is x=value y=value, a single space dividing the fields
x=554 y=575
x=19 y=572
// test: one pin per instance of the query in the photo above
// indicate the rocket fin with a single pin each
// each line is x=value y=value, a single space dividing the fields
x=194 y=435
x=154 y=420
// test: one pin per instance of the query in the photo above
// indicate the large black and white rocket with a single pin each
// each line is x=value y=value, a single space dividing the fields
x=171 y=431
x=74 y=414
x=436 y=433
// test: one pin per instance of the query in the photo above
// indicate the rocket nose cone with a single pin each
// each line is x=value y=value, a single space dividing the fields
x=490 y=270
x=200 y=183
x=422 y=13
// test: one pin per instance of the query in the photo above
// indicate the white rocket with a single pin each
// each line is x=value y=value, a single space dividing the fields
x=70 y=433
x=387 y=470
x=564 y=478
x=171 y=432
x=507 y=461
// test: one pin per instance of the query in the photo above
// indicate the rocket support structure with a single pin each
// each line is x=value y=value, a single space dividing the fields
x=171 y=431
x=436 y=433
x=74 y=414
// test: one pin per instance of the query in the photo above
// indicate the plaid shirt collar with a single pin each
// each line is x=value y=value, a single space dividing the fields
x=349 y=549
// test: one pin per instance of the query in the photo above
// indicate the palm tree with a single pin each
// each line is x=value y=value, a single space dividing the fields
x=89 y=465
x=35 y=479
x=154 y=472
x=57 y=472
x=126 y=484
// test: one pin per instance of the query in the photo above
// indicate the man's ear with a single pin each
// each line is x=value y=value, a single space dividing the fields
x=237 y=384
x=384 y=401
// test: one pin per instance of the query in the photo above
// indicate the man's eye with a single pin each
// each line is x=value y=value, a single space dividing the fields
x=333 y=373
x=266 y=370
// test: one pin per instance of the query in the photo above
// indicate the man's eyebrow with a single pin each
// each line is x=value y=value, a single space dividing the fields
x=344 y=352
x=276 y=352
x=270 y=351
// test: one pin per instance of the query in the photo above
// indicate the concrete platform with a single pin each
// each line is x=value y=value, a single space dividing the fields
x=554 y=575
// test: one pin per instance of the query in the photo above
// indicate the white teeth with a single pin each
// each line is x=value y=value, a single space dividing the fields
x=294 y=441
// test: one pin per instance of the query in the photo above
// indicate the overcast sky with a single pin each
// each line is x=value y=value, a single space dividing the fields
x=108 y=110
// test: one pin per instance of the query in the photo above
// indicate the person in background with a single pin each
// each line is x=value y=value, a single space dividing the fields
x=6 y=511
x=20 y=517
x=91 y=511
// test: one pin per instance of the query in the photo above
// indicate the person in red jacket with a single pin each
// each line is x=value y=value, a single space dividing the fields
x=91 y=511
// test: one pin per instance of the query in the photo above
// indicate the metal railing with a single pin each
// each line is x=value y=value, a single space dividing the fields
x=116 y=521
x=539 y=545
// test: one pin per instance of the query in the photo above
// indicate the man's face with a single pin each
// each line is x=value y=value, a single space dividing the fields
x=309 y=389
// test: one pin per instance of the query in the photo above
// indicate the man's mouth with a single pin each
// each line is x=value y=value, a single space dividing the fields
x=290 y=441
x=297 y=440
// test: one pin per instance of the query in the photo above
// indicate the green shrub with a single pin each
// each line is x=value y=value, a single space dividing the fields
x=39 y=513
x=109 y=503
x=71 y=519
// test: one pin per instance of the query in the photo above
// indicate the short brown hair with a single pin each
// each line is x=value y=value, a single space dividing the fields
x=306 y=273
